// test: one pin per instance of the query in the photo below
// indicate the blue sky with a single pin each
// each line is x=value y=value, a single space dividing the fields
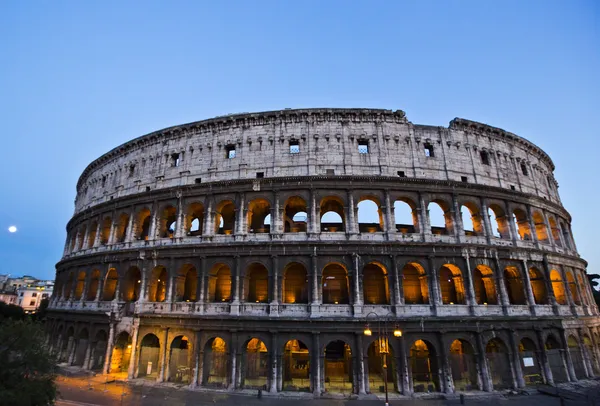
x=79 y=78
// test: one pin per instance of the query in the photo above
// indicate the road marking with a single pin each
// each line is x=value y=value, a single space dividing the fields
x=63 y=402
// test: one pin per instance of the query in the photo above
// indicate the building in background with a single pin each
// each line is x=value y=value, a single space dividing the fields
x=26 y=291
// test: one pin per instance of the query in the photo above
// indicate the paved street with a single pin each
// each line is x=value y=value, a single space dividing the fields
x=86 y=391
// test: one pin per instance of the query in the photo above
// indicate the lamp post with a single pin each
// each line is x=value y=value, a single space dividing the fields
x=383 y=343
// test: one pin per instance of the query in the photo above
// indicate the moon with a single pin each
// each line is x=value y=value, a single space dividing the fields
x=12 y=229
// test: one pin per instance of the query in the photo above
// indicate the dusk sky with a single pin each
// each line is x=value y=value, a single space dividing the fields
x=79 y=78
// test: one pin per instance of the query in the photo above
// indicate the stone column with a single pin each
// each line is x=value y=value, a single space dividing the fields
x=316 y=364
x=397 y=285
x=235 y=303
x=406 y=387
x=71 y=350
x=471 y=300
x=88 y=354
x=500 y=283
x=274 y=306
x=446 y=368
x=132 y=370
x=549 y=288
x=241 y=212
x=390 y=216
x=434 y=284
x=164 y=357
x=567 y=357
x=516 y=359
x=487 y=224
x=233 y=381
x=544 y=358
x=424 y=224
x=459 y=227
x=208 y=228
x=144 y=284
x=274 y=365
x=199 y=364
x=276 y=216
x=351 y=226
x=527 y=285
x=129 y=237
x=153 y=220
x=98 y=232
x=532 y=227
x=313 y=223
x=315 y=296
x=358 y=291
x=201 y=284
x=486 y=379
x=109 y=347
x=361 y=364
x=179 y=226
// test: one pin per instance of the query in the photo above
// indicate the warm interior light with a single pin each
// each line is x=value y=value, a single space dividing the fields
x=397 y=333
x=451 y=302
x=335 y=302
x=367 y=331
x=129 y=347
x=485 y=303
x=139 y=280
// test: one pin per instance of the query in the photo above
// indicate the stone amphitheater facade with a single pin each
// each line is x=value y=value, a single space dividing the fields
x=252 y=250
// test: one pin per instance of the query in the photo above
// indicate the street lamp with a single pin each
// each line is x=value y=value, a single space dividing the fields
x=384 y=345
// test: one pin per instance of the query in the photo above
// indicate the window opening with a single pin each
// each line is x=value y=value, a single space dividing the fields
x=230 y=151
x=103 y=180
x=260 y=175
x=175 y=160
x=330 y=172
x=512 y=187
x=131 y=171
x=524 y=169
x=198 y=180
x=147 y=188
x=428 y=148
x=363 y=146
x=401 y=174
x=464 y=179
x=294 y=147
x=485 y=159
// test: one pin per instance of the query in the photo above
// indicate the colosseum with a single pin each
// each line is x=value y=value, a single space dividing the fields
x=325 y=251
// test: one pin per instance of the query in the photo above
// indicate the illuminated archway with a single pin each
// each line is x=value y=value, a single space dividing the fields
x=499 y=364
x=256 y=365
x=296 y=367
x=424 y=367
x=335 y=284
x=338 y=368
x=375 y=284
x=216 y=363
x=463 y=365
x=414 y=284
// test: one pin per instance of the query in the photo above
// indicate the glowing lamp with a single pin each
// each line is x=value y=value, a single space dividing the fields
x=397 y=333
x=368 y=331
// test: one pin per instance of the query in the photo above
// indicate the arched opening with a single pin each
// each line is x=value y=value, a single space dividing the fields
x=142 y=224
x=67 y=342
x=407 y=221
x=555 y=231
x=440 y=217
x=499 y=222
x=92 y=234
x=591 y=354
x=338 y=368
x=105 y=230
x=485 y=288
x=558 y=287
x=514 y=286
x=180 y=360
x=414 y=284
x=370 y=217
x=541 y=231
x=186 y=284
x=256 y=284
x=538 y=286
x=335 y=284
x=332 y=214
x=219 y=284
x=168 y=222
x=296 y=367
x=576 y=357
x=81 y=347
x=225 y=218
x=216 y=363
x=379 y=368
x=68 y=286
x=499 y=364
x=157 y=286
x=98 y=351
x=110 y=285
x=256 y=362
x=532 y=373
x=80 y=237
x=121 y=232
x=93 y=287
x=471 y=219
x=79 y=285
x=194 y=219
x=295 y=215
x=295 y=283
x=258 y=211
x=463 y=366
x=148 y=365
x=555 y=360
x=522 y=224
x=131 y=285
x=573 y=288
x=585 y=293
x=452 y=287
x=424 y=367
x=375 y=284
x=565 y=233
x=121 y=353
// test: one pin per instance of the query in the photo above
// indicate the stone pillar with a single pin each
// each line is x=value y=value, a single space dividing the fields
x=315 y=285
x=434 y=284
x=351 y=222
x=527 y=285
x=98 y=232
x=532 y=227
x=406 y=387
x=241 y=212
x=518 y=380
x=361 y=364
x=397 y=284
x=500 y=283
x=88 y=355
x=459 y=227
x=109 y=347
x=487 y=224
x=567 y=357
x=144 y=284
x=316 y=364
x=358 y=291
x=164 y=357
x=71 y=350
x=274 y=306
x=132 y=370
x=390 y=224
x=233 y=381
x=512 y=230
x=130 y=232
x=313 y=220
x=276 y=216
x=549 y=288
x=201 y=284
x=274 y=365
x=471 y=300
x=486 y=379
x=208 y=228
x=153 y=220
x=545 y=364
x=179 y=231
x=199 y=364
x=424 y=224
x=235 y=303
x=446 y=368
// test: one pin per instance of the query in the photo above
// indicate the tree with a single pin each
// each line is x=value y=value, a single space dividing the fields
x=10 y=311
x=26 y=366
x=592 y=278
